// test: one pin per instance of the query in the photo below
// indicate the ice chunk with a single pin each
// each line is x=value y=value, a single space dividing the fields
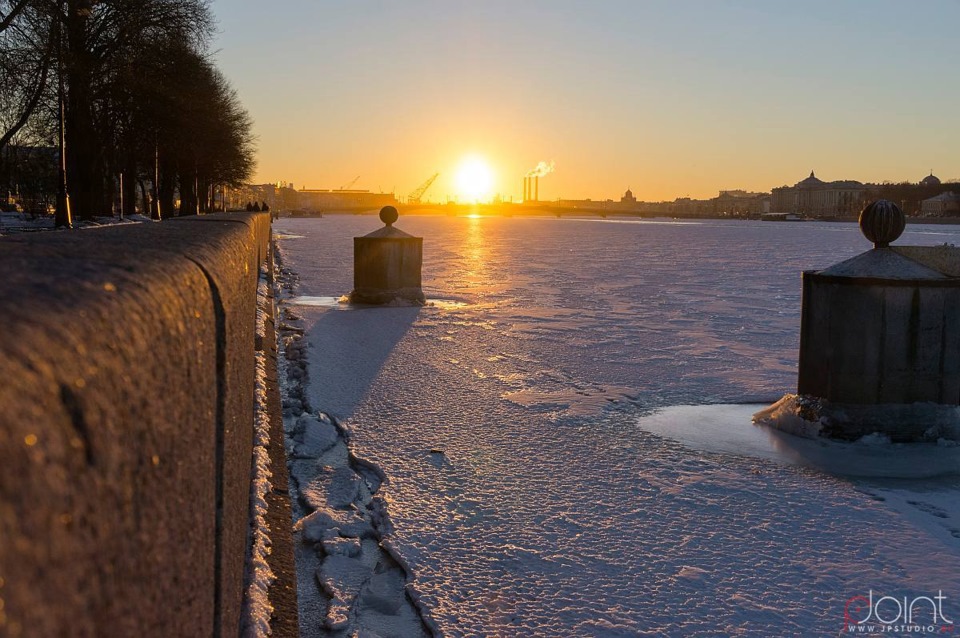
x=319 y=435
x=341 y=577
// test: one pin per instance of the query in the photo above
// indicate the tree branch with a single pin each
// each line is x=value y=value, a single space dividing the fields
x=10 y=17
x=34 y=99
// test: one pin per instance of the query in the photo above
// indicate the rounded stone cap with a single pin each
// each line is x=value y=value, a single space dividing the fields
x=389 y=215
x=882 y=222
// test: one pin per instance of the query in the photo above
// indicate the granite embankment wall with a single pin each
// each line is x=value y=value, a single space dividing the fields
x=126 y=415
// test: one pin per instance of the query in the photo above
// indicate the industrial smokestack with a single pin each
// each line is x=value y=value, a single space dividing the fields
x=531 y=184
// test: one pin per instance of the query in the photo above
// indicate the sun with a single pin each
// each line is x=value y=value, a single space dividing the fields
x=474 y=180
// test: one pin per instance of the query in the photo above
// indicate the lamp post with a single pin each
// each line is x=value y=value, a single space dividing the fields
x=155 y=202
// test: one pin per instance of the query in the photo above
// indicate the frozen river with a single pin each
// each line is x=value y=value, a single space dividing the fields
x=543 y=476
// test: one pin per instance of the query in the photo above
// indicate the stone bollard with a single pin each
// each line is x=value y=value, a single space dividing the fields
x=387 y=264
x=880 y=340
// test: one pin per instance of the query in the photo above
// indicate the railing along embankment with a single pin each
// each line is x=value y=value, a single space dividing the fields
x=127 y=410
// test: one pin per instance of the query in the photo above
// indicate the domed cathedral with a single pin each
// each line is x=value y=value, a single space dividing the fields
x=930 y=180
x=937 y=200
x=811 y=182
x=628 y=197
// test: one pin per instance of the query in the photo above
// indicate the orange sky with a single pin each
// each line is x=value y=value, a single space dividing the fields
x=671 y=99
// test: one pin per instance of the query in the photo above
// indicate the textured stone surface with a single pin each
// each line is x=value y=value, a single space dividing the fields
x=387 y=266
x=944 y=259
x=389 y=215
x=882 y=222
x=127 y=415
x=880 y=341
x=883 y=263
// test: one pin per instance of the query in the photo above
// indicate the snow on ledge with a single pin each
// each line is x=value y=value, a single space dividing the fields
x=257 y=609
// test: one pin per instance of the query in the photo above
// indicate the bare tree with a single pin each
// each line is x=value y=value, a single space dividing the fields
x=27 y=46
x=91 y=44
x=10 y=10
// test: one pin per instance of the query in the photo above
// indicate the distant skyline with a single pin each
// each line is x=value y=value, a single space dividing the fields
x=671 y=99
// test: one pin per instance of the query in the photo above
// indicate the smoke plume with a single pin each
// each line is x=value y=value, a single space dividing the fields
x=541 y=169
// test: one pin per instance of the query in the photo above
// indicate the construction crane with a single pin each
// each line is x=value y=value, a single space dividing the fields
x=350 y=183
x=417 y=195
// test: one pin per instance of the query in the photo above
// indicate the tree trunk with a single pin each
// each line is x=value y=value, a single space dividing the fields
x=188 y=195
x=82 y=155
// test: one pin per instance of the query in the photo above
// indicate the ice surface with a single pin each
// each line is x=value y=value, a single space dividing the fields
x=526 y=503
x=350 y=582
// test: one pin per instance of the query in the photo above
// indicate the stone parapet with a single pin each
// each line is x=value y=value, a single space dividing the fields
x=127 y=406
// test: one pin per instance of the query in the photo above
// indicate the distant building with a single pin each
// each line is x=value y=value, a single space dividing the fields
x=333 y=200
x=910 y=196
x=280 y=196
x=943 y=205
x=741 y=203
x=813 y=197
x=686 y=207
x=628 y=198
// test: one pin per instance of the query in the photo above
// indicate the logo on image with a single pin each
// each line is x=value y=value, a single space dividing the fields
x=889 y=615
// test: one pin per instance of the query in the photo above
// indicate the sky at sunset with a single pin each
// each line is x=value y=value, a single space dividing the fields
x=671 y=99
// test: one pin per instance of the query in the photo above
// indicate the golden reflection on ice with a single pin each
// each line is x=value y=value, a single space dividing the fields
x=322 y=302
x=446 y=304
x=475 y=251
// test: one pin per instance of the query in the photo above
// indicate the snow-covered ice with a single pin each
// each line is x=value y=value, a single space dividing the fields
x=350 y=581
x=565 y=441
